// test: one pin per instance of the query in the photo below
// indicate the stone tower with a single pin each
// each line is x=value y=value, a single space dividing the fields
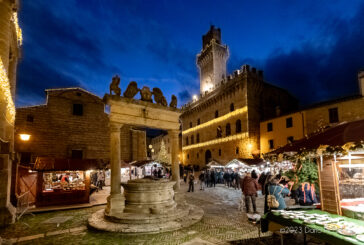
x=212 y=60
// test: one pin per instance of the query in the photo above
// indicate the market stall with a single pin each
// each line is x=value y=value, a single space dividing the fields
x=215 y=165
x=330 y=228
x=338 y=153
x=63 y=181
x=146 y=167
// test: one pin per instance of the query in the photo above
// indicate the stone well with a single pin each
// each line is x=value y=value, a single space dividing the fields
x=150 y=207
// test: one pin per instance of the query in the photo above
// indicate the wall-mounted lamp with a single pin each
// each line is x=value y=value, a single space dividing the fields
x=24 y=137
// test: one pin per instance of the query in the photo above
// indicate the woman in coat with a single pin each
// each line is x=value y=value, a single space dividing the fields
x=279 y=191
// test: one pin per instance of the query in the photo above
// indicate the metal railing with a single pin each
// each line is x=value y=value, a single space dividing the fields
x=22 y=204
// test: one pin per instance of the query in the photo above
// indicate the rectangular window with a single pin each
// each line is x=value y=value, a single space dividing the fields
x=30 y=118
x=290 y=139
x=78 y=109
x=271 y=144
x=333 y=115
x=77 y=154
x=198 y=121
x=289 y=122
x=270 y=127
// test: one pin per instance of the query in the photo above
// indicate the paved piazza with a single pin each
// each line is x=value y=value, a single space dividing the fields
x=222 y=223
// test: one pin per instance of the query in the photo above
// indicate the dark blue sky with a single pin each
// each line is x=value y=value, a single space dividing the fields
x=312 y=48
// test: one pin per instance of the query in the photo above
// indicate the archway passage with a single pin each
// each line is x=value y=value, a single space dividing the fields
x=208 y=156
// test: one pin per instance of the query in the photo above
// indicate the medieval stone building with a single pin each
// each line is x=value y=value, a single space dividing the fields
x=10 y=41
x=223 y=122
x=73 y=124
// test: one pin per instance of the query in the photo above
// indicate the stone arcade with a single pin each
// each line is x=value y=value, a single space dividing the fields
x=147 y=205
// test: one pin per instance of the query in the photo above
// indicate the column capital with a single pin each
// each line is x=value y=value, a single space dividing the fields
x=173 y=132
x=115 y=127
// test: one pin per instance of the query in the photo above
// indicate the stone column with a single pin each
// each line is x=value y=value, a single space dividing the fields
x=173 y=135
x=115 y=201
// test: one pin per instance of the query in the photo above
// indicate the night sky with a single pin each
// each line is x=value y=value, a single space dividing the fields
x=313 y=49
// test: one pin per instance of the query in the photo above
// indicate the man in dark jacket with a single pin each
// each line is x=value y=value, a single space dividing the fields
x=249 y=187
x=237 y=180
x=213 y=178
x=191 y=179
x=202 y=180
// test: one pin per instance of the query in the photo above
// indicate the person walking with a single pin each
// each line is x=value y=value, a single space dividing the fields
x=249 y=187
x=237 y=179
x=191 y=180
x=202 y=180
x=213 y=178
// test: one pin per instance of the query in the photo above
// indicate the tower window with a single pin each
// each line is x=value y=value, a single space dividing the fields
x=78 y=109
x=238 y=126
x=30 y=118
x=333 y=115
x=216 y=114
x=271 y=144
x=289 y=122
x=232 y=107
x=218 y=132
x=270 y=127
x=228 y=129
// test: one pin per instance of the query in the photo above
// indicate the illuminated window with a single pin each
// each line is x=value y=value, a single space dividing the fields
x=232 y=107
x=216 y=114
x=333 y=115
x=78 y=109
x=289 y=122
x=271 y=144
x=270 y=127
x=228 y=129
x=238 y=126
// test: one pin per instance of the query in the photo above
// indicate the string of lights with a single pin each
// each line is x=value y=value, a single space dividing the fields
x=17 y=29
x=6 y=91
x=217 y=141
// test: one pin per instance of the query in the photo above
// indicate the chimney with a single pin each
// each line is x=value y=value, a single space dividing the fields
x=361 y=81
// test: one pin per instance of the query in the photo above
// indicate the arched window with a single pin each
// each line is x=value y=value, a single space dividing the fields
x=197 y=138
x=237 y=150
x=220 y=152
x=232 y=107
x=218 y=132
x=238 y=126
x=190 y=124
x=228 y=129
x=192 y=139
x=197 y=155
x=187 y=140
x=188 y=156
x=216 y=114
x=198 y=121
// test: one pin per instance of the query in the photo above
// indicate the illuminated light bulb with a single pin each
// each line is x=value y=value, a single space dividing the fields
x=194 y=97
x=24 y=137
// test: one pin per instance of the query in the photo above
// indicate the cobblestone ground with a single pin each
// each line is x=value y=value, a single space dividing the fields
x=222 y=223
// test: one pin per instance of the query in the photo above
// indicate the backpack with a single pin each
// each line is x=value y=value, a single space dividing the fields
x=272 y=201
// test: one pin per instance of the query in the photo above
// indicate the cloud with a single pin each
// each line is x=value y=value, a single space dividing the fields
x=321 y=71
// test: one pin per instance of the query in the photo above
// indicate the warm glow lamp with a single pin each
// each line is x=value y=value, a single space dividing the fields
x=24 y=137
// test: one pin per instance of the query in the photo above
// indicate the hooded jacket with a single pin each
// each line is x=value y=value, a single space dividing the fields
x=249 y=186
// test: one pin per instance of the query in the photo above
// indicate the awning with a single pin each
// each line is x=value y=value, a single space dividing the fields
x=334 y=136
x=64 y=164
x=245 y=163
x=215 y=164
x=142 y=163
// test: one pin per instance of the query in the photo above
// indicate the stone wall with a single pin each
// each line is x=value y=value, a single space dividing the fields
x=55 y=131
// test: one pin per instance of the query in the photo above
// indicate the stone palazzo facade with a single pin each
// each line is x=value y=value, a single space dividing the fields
x=223 y=122
x=73 y=124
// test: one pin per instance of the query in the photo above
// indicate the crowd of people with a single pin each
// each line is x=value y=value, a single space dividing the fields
x=274 y=188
